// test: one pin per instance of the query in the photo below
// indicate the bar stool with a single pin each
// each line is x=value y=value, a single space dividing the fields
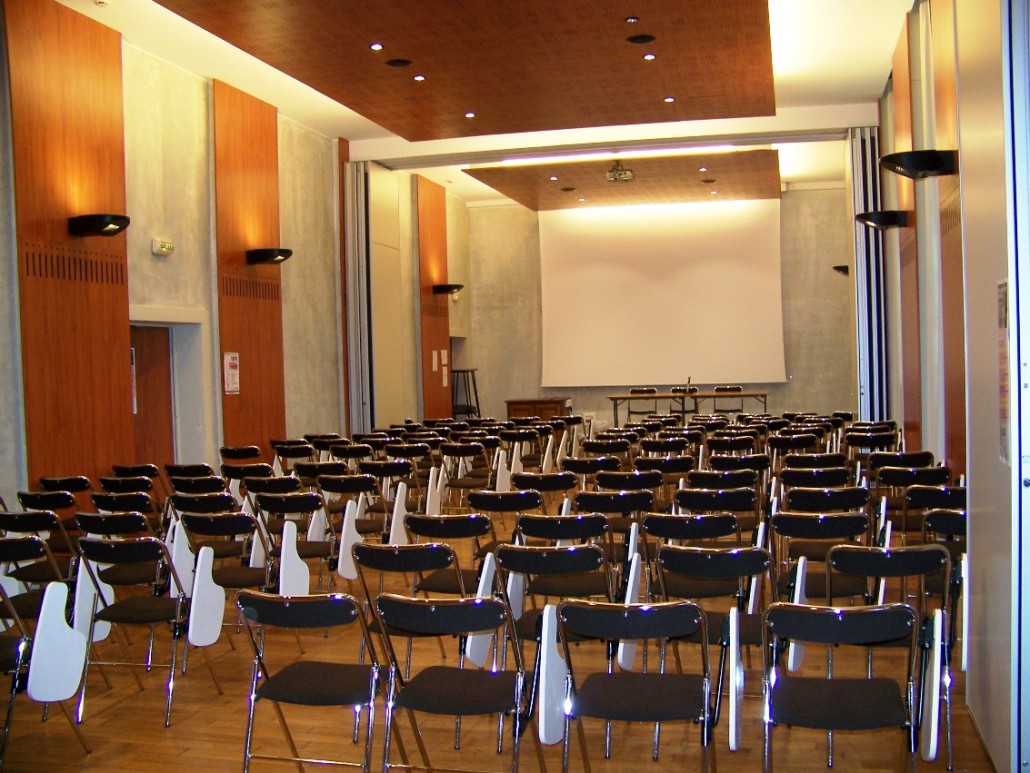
x=464 y=392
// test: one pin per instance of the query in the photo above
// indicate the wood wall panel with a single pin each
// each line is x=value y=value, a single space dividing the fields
x=942 y=20
x=69 y=159
x=435 y=311
x=911 y=370
x=249 y=297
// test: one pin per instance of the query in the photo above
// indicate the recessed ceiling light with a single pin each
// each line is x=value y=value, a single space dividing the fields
x=669 y=99
x=714 y=193
x=632 y=19
x=419 y=78
x=470 y=114
x=553 y=178
x=398 y=62
x=376 y=46
x=702 y=169
x=649 y=57
x=640 y=40
x=581 y=198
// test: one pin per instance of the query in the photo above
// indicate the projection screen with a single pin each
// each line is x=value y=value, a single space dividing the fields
x=660 y=294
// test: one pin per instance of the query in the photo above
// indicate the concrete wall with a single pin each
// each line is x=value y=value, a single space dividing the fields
x=310 y=279
x=818 y=311
x=394 y=299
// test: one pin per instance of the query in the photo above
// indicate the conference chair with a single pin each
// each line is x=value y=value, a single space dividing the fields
x=450 y=687
x=655 y=696
x=833 y=703
x=306 y=682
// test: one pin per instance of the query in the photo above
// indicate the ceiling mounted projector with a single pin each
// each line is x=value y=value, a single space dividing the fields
x=618 y=174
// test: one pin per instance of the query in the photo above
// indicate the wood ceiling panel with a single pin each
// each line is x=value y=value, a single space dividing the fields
x=519 y=66
x=752 y=174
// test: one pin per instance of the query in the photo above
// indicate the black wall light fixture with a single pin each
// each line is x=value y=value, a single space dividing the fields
x=843 y=269
x=97 y=225
x=918 y=164
x=268 y=255
x=447 y=289
x=888 y=218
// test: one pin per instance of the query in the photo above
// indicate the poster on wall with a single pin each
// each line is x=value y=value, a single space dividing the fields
x=231 y=372
x=1003 y=368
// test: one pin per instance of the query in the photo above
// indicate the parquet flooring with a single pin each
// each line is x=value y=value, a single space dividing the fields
x=125 y=729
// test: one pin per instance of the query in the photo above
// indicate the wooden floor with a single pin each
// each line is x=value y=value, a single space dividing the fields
x=125 y=728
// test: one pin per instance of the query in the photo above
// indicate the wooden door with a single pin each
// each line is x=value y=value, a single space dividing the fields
x=152 y=395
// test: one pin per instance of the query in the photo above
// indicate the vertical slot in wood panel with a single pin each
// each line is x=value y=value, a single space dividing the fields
x=435 y=312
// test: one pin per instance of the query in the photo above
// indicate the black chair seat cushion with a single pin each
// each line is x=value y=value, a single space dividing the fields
x=459 y=691
x=307 y=549
x=275 y=525
x=317 y=683
x=140 y=610
x=222 y=548
x=838 y=704
x=26 y=605
x=40 y=571
x=131 y=574
x=678 y=586
x=569 y=586
x=640 y=697
x=844 y=585
x=239 y=576
x=370 y=525
x=719 y=631
x=443 y=581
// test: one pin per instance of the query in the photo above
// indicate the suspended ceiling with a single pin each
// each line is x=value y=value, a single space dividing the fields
x=547 y=78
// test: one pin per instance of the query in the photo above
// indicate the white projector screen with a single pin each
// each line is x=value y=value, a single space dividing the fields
x=660 y=294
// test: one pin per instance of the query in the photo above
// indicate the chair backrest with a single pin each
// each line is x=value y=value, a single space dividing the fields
x=446 y=528
x=563 y=528
x=814 y=477
x=329 y=610
x=195 y=470
x=217 y=502
x=841 y=625
x=688 y=528
x=207 y=484
x=614 y=502
x=630 y=622
x=128 y=502
x=236 y=454
x=913 y=561
x=827 y=459
x=113 y=524
x=810 y=500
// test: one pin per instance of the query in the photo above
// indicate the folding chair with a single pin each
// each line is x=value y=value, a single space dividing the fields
x=829 y=703
x=447 y=689
x=739 y=626
x=929 y=565
x=150 y=610
x=308 y=682
x=652 y=696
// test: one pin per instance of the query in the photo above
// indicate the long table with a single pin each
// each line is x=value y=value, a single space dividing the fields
x=759 y=395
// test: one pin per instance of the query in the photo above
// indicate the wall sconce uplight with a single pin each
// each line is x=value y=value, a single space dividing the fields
x=268 y=255
x=918 y=164
x=888 y=218
x=97 y=225
x=447 y=289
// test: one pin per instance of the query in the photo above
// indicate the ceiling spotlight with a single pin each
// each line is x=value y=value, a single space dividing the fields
x=619 y=174
x=714 y=193
x=419 y=78
x=702 y=169
x=470 y=114
x=553 y=178
x=632 y=19
x=582 y=199
x=669 y=99
x=649 y=57
x=376 y=46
